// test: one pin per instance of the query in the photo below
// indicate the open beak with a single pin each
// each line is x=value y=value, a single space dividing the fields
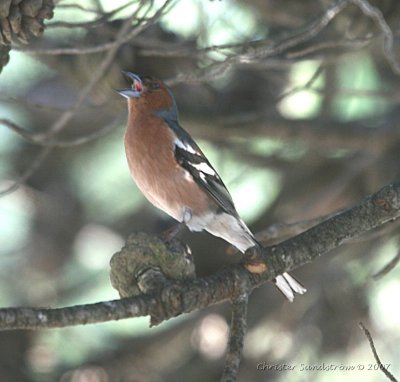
x=137 y=86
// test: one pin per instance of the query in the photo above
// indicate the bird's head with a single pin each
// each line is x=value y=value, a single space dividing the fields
x=148 y=92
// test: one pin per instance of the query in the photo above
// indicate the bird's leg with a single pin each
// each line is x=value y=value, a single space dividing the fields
x=171 y=233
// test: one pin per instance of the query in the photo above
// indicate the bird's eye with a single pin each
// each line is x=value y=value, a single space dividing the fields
x=154 y=85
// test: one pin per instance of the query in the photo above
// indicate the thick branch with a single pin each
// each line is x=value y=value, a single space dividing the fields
x=37 y=318
x=187 y=296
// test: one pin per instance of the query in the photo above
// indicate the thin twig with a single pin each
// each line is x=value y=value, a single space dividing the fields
x=352 y=135
x=387 y=268
x=388 y=40
x=364 y=93
x=310 y=82
x=279 y=231
x=43 y=139
x=385 y=371
x=37 y=162
x=330 y=45
x=103 y=15
x=51 y=108
x=80 y=7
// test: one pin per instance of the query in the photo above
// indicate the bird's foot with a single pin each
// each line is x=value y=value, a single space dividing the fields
x=172 y=233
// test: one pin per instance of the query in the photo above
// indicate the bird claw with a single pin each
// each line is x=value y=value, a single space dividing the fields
x=172 y=233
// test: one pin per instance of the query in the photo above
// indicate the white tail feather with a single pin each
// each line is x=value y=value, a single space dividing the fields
x=234 y=230
x=288 y=285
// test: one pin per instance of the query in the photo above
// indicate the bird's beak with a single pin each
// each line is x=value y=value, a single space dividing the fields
x=137 y=86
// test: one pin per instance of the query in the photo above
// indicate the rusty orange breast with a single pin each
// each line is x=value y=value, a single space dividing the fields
x=149 y=146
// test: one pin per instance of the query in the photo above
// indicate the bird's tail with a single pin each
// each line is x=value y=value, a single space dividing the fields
x=285 y=283
x=235 y=231
x=289 y=286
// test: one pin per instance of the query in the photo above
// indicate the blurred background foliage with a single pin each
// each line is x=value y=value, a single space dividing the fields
x=295 y=136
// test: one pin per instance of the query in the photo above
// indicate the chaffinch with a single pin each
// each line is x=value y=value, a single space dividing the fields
x=173 y=173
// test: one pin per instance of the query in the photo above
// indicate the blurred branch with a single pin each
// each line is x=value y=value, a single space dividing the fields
x=364 y=93
x=35 y=164
x=375 y=210
x=80 y=7
x=310 y=82
x=252 y=54
x=387 y=268
x=385 y=371
x=347 y=45
x=45 y=139
x=336 y=185
x=279 y=231
x=121 y=39
x=99 y=72
x=103 y=16
x=306 y=34
x=334 y=134
x=250 y=51
x=237 y=332
x=260 y=51
x=151 y=48
x=388 y=40
x=42 y=106
x=187 y=296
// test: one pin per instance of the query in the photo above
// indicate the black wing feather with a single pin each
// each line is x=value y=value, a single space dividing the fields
x=211 y=183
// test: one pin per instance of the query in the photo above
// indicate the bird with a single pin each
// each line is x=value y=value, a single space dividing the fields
x=173 y=173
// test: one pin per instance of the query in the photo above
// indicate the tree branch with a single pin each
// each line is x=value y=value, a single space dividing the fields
x=353 y=135
x=385 y=371
x=187 y=296
x=62 y=121
x=237 y=332
x=387 y=268
x=388 y=40
x=373 y=211
x=45 y=139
